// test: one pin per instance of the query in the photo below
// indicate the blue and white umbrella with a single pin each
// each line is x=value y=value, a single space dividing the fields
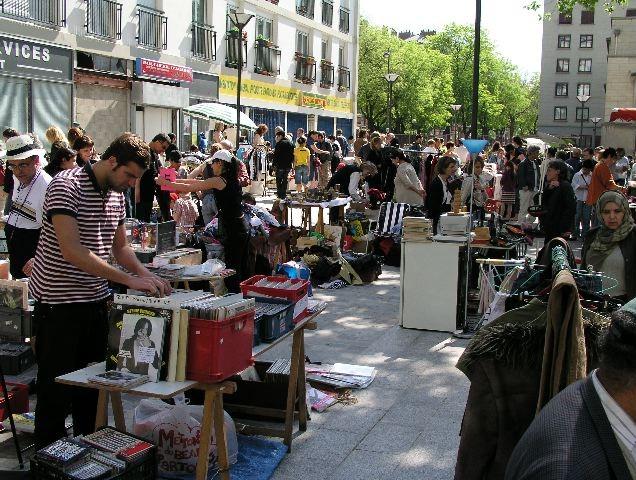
x=220 y=113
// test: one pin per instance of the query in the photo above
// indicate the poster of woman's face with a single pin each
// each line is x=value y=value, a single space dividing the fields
x=141 y=345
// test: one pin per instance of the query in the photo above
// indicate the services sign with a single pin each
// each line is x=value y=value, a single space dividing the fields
x=164 y=71
x=34 y=59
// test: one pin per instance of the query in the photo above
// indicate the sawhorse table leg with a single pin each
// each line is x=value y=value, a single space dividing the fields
x=101 y=419
x=213 y=412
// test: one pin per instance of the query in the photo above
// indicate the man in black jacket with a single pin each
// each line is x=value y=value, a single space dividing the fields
x=528 y=175
x=588 y=431
x=282 y=162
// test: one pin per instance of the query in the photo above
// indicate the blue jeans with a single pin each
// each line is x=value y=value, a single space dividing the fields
x=302 y=175
x=582 y=218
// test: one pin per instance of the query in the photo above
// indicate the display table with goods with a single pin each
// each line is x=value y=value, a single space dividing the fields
x=163 y=347
x=310 y=200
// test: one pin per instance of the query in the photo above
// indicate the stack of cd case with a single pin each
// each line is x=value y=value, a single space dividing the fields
x=278 y=372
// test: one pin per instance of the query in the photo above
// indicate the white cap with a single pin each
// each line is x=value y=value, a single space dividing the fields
x=224 y=155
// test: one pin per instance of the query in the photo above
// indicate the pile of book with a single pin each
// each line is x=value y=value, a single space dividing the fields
x=340 y=375
x=417 y=229
x=102 y=454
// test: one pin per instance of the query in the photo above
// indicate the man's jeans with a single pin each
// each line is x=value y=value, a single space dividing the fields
x=582 y=219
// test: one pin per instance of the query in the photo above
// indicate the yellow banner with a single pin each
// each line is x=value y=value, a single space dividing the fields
x=283 y=95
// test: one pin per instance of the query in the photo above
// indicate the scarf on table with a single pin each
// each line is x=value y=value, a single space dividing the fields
x=607 y=239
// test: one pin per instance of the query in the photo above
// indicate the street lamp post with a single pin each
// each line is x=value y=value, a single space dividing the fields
x=239 y=20
x=583 y=99
x=595 y=121
x=391 y=78
x=455 y=108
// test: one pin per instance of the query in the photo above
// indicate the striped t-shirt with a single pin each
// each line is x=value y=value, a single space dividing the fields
x=76 y=193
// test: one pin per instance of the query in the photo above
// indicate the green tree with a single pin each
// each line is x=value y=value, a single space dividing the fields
x=566 y=6
x=423 y=91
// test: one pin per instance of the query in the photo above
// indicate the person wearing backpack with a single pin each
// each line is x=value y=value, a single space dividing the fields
x=342 y=143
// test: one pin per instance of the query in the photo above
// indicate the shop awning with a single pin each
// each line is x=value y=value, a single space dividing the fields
x=220 y=113
x=623 y=115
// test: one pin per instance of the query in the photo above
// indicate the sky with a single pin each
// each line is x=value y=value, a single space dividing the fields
x=515 y=31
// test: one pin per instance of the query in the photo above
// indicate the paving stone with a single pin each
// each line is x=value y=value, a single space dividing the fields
x=389 y=437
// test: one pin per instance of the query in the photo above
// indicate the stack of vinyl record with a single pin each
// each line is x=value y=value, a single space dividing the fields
x=417 y=229
x=278 y=372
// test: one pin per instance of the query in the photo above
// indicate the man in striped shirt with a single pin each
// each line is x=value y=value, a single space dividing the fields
x=83 y=223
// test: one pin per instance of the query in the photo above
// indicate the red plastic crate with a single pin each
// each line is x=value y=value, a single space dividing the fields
x=298 y=295
x=19 y=398
x=218 y=350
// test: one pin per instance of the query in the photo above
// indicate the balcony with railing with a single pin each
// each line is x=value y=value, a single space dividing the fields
x=203 y=42
x=326 y=74
x=267 y=58
x=232 y=45
x=305 y=8
x=344 y=20
x=103 y=19
x=344 y=79
x=305 y=68
x=49 y=13
x=152 y=28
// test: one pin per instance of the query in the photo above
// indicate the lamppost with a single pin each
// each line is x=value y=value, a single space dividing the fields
x=583 y=99
x=239 y=20
x=595 y=121
x=455 y=108
x=391 y=78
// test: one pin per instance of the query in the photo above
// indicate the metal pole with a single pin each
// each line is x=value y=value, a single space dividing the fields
x=477 y=47
x=388 y=102
x=581 y=131
x=594 y=139
x=238 y=86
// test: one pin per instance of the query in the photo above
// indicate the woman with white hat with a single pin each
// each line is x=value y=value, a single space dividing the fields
x=24 y=221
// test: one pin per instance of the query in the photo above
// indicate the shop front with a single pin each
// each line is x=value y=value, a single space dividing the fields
x=35 y=85
x=102 y=92
x=157 y=97
x=204 y=88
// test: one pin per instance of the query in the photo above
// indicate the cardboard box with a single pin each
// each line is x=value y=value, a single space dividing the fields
x=306 y=242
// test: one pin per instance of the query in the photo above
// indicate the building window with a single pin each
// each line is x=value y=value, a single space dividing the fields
x=561 y=90
x=344 y=79
x=302 y=43
x=582 y=114
x=50 y=13
x=305 y=68
x=264 y=29
x=327 y=12
x=266 y=58
x=326 y=74
x=565 y=18
x=325 y=54
x=630 y=12
x=203 y=34
x=344 y=20
x=585 y=65
x=103 y=19
x=586 y=41
x=342 y=59
x=560 y=113
x=305 y=8
x=583 y=89
x=152 y=28
x=587 y=17
x=564 y=41
x=563 y=65
x=232 y=45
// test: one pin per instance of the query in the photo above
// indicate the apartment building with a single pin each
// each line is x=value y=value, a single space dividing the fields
x=117 y=65
x=574 y=64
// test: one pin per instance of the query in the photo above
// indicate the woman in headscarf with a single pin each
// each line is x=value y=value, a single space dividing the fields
x=611 y=247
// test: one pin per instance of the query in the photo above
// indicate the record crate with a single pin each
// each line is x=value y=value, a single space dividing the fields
x=219 y=349
x=276 y=317
x=298 y=295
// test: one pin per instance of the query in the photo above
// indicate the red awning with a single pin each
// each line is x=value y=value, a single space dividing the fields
x=623 y=114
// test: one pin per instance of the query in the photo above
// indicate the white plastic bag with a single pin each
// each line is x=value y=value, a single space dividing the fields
x=176 y=430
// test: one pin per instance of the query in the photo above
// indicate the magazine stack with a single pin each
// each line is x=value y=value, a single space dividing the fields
x=103 y=454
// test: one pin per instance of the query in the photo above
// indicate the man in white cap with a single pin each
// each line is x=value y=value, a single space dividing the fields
x=24 y=221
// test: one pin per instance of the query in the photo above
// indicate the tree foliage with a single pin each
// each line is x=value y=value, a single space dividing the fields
x=423 y=91
x=566 y=6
